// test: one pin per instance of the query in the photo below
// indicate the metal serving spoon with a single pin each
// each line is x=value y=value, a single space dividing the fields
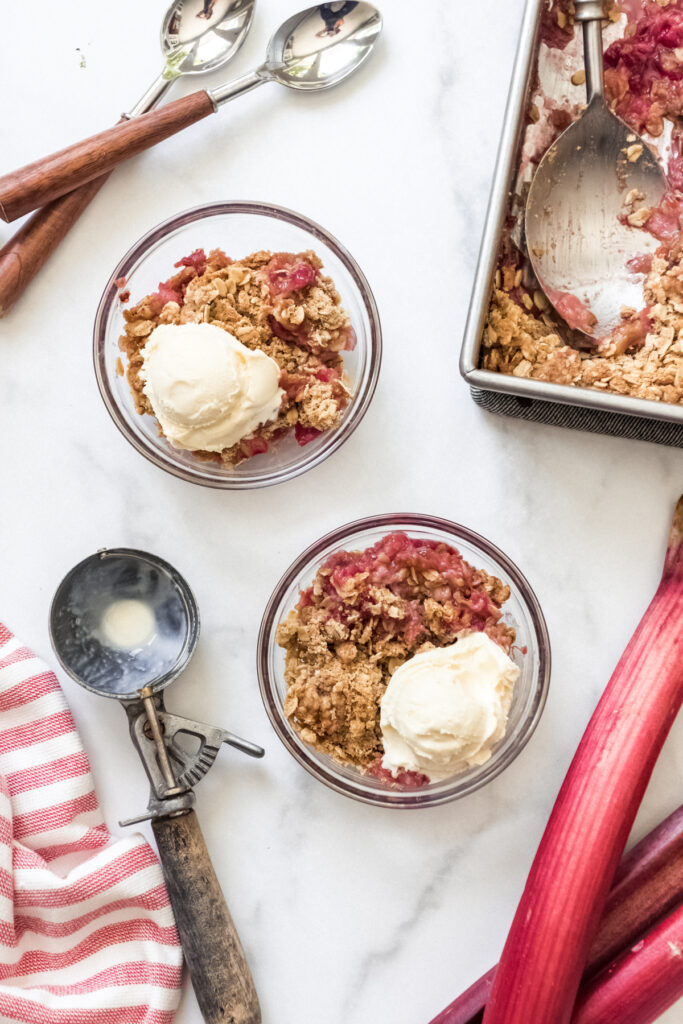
x=197 y=37
x=311 y=51
x=124 y=624
x=579 y=241
x=191 y=45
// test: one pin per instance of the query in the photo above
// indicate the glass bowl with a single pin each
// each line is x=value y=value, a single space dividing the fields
x=522 y=611
x=239 y=228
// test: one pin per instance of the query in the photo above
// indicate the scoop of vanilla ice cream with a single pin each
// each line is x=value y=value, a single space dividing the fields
x=207 y=389
x=445 y=709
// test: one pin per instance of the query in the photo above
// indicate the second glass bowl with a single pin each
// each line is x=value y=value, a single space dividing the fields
x=531 y=653
x=239 y=228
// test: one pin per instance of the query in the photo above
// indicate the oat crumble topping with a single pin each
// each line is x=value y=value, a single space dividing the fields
x=365 y=614
x=279 y=303
x=519 y=343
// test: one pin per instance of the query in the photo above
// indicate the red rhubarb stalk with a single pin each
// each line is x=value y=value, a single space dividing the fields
x=565 y=894
x=642 y=984
x=648 y=884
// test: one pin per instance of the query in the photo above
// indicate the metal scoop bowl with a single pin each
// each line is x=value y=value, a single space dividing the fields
x=83 y=628
x=124 y=624
x=582 y=247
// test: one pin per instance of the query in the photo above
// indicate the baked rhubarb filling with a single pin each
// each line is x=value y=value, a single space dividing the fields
x=414 y=610
x=523 y=336
x=277 y=369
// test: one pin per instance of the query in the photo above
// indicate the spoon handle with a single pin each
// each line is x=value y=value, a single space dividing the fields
x=213 y=952
x=591 y=14
x=47 y=179
x=152 y=97
x=24 y=254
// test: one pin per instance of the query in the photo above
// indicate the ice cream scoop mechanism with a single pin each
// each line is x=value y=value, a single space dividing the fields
x=124 y=624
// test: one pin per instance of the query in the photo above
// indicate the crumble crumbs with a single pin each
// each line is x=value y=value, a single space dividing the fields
x=279 y=303
x=518 y=343
x=365 y=614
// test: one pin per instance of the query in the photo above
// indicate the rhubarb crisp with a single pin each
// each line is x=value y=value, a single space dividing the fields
x=643 y=357
x=365 y=614
x=279 y=304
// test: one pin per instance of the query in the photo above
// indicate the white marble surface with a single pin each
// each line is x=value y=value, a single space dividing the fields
x=349 y=915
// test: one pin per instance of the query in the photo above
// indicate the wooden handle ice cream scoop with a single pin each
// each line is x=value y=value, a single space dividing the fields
x=580 y=242
x=311 y=51
x=190 y=46
x=124 y=624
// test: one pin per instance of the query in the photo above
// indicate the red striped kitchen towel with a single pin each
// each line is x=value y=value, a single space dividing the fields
x=86 y=930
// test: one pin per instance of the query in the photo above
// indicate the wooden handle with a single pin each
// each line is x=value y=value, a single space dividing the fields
x=41 y=182
x=218 y=967
x=25 y=253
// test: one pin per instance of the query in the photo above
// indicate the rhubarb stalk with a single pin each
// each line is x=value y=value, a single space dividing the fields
x=648 y=884
x=642 y=984
x=558 y=915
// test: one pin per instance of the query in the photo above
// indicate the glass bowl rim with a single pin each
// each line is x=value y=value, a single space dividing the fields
x=407 y=799
x=140 y=250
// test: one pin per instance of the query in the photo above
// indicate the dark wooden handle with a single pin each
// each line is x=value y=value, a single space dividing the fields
x=218 y=967
x=41 y=182
x=24 y=254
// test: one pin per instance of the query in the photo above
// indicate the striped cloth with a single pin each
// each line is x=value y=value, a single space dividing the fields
x=86 y=930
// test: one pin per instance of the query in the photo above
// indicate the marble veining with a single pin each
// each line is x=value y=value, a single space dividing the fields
x=349 y=915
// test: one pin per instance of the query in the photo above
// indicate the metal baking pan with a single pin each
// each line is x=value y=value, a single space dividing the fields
x=535 y=400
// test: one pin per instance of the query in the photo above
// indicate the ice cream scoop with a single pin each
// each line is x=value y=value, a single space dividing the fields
x=206 y=388
x=124 y=624
x=445 y=709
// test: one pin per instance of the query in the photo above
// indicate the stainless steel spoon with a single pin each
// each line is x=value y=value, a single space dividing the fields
x=597 y=174
x=191 y=45
x=311 y=51
x=314 y=49
x=197 y=37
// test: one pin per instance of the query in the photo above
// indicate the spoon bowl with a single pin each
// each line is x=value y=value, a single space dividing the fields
x=320 y=47
x=198 y=36
x=123 y=620
x=590 y=195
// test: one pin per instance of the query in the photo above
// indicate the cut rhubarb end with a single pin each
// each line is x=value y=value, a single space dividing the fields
x=642 y=983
